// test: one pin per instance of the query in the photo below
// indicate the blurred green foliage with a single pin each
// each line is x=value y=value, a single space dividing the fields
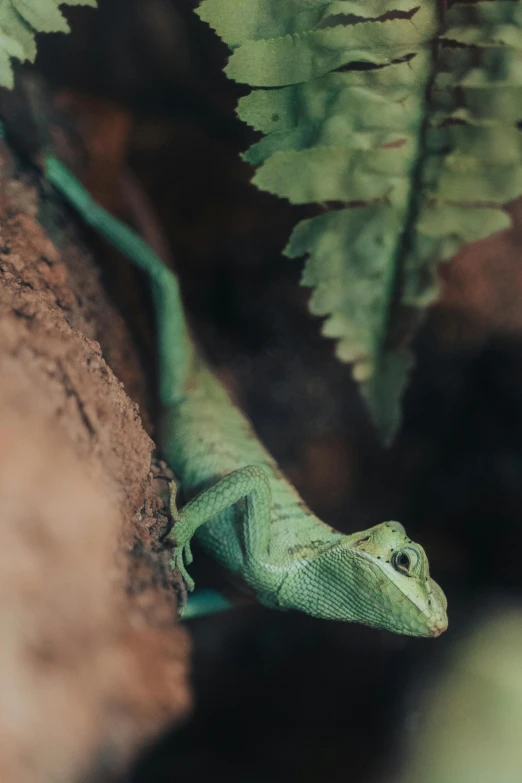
x=472 y=728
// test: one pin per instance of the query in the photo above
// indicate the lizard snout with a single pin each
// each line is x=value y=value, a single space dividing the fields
x=438 y=627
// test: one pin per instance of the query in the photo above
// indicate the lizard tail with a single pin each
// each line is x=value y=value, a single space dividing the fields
x=175 y=347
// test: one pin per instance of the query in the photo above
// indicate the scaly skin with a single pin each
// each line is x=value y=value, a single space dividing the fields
x=244 y=512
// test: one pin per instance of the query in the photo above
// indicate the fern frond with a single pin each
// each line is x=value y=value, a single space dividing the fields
x=408 y=121
x=20 y=20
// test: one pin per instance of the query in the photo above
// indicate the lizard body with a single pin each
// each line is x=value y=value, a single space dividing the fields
x=240 y=506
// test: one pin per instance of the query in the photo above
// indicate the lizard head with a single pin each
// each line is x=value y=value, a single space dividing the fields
x=378 y=577
x=397 y=591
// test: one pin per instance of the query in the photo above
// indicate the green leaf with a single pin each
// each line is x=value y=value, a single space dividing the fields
x=42 y=15
x=337 y=174
x=383 y=391
x=9 y=47
x=254 y=20
x=352 y=292
x=404 y=130
x=20 y=20
x=300 y=57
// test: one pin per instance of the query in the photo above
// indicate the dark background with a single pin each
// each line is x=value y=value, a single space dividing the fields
x=284 y=697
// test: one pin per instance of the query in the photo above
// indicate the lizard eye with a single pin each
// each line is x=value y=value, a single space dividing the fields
x=406 y=561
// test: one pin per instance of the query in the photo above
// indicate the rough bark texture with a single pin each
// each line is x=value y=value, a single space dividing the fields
x=91 y=663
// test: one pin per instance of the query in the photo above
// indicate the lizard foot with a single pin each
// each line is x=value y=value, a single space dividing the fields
x=182 y=558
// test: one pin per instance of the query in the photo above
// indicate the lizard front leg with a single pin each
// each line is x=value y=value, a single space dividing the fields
x=249 y=484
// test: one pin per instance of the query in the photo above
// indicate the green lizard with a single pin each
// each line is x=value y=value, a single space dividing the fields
x=240 y=506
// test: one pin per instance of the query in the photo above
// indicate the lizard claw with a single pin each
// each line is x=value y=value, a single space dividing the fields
x=180 y=561
x=187 y=553
x=183 y=555
x=188 y=579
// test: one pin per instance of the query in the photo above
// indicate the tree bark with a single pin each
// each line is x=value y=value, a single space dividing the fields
x=92 y=664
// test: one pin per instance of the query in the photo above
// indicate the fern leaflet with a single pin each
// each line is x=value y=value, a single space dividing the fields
x=20 y=20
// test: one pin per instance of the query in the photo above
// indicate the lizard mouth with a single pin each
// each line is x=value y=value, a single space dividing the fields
x=438 y=627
